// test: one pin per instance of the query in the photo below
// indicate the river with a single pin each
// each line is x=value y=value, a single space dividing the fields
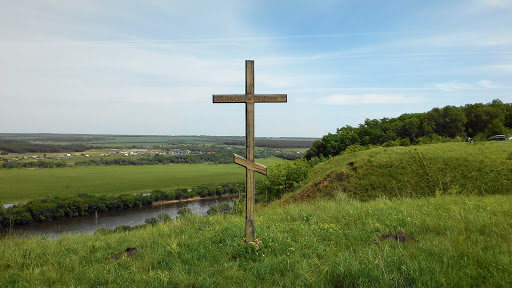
x=112 y=219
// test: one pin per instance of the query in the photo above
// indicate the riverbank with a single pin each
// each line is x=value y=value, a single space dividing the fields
x=193 y=199
x=54 y=208
x=112 y=219
x=167 y=202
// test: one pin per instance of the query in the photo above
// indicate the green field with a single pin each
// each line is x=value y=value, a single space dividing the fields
x=21 y=185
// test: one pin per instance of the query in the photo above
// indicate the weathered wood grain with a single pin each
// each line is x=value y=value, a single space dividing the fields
x=258 y=98
x=249 y=165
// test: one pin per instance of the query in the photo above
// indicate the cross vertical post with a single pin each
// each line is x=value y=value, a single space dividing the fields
x=249 y=98
x=250 y=189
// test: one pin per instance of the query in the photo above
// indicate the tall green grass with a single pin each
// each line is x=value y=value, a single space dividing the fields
x=449 y=168
x=460 y=241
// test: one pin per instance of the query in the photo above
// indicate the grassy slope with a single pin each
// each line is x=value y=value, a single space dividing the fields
x=461 y=240
x=19 y=185
x=449 y=168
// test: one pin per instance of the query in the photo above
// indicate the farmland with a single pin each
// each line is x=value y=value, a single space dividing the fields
x=24 y=184
x=20 y=185
x=58 y=150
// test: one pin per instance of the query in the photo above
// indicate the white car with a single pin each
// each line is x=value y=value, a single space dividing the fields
x=497 y=138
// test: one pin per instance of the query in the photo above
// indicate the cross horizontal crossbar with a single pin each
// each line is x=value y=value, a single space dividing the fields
x=250 y=98
x=249 y=164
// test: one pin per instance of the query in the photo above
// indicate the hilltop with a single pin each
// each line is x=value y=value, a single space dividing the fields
x=479 y=168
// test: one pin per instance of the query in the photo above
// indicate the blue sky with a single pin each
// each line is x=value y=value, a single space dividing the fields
x=151 y=67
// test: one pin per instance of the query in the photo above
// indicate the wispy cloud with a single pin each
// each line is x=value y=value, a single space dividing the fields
x=501 y=4
x=487 y=84
x=348 y=99
x=501 y=68
x=453 y=86
x=456 y=85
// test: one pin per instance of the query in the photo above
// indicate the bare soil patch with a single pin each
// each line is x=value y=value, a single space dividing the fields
x=400 y=237
x=128 y=253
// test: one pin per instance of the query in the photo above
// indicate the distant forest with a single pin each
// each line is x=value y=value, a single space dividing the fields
x=478 y=121
x=20 y=146
x=59 y=143
x=272 y=143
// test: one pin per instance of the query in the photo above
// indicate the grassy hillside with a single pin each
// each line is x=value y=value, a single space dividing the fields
x=455 y=241
x=449 y=168
x=20 y=185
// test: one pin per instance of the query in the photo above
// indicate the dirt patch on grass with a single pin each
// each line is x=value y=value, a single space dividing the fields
x=128 y=253
x=400 y=237
x=334 y=180
x=353 y=166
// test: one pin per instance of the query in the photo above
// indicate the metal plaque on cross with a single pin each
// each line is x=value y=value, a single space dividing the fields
x=249 y=98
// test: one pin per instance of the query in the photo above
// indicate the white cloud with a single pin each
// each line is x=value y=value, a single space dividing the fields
x=487 y=84
x=500 y=4
x=501 y=68
x=453 y=86
x=353 y=99
x=456 y=86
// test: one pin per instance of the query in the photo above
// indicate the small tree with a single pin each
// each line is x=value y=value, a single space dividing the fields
x=184 y=211
x=164 y=217
x=151 y=221
x=283 y=178
x=496 y=128
x=222 y=208
x=225 y=208
x=213 y=210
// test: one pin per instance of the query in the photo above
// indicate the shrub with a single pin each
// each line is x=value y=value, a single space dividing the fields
x=222 y=208
x=184 y=211
x=283 y=178
x=151 y=221
x=103 y=231
x=122 y=228
x=164 y=217
x=238 y=207
x=213 y=210
x=225 y=208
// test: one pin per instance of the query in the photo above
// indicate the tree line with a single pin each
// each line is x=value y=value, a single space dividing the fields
x=478 y=121
x=19 y=146
x=216 y=158
x=274 y=143
x=34 y=164
x=83 y=204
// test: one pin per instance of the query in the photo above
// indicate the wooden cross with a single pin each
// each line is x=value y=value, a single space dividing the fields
x=249 y=98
